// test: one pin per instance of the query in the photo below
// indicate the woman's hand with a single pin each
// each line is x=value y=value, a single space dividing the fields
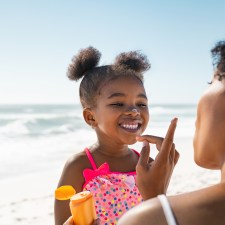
x=153 y=176
x=70 y=221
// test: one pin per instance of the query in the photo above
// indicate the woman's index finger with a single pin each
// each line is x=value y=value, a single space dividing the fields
x=168 y=140
x=171 y=130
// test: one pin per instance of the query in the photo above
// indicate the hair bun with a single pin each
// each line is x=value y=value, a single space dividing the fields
x=133 y=60
x=84 y=61
x=218 y=55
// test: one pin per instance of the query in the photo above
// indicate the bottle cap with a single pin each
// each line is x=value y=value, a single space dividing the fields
x=80 y=197
x=64 y=192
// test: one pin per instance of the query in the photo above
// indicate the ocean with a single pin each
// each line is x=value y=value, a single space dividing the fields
x=38 y=138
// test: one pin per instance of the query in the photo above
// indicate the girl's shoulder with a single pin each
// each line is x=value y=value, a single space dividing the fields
x=73 y=171
x=78 y=161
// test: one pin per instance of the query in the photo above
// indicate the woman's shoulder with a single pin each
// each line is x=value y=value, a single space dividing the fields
x=149 y=212
x=200 y=203
x=187 y=208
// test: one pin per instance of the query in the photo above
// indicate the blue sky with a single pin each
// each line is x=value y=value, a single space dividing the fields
x=39 y=38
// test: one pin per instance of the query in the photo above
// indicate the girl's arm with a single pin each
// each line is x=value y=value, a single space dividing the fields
x=71 y=175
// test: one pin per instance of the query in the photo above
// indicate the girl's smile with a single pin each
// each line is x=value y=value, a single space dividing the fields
x=131 y=126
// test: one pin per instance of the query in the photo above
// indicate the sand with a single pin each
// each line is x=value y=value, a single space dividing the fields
x=29 y=199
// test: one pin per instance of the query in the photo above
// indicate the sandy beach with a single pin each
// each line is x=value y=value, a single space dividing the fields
x=29 y=199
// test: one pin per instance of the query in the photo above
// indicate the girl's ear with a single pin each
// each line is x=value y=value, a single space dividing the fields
x=89 y=117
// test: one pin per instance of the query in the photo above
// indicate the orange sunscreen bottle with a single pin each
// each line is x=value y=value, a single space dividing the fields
x=81 y=204
x=82 y=208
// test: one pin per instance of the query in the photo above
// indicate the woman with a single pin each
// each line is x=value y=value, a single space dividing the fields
x=205 y=206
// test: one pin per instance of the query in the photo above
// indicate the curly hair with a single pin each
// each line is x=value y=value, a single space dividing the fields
x=218 y=55
x=85 y=65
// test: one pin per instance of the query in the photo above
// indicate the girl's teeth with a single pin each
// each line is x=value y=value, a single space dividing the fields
x=130 y=126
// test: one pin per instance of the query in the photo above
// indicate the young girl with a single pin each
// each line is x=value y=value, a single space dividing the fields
x=115 y=105
x=205 y=206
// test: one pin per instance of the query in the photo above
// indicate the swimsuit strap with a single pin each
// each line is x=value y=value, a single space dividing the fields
x=92 y=161
x=136 y=152
x=90 y=158
x=167 y=210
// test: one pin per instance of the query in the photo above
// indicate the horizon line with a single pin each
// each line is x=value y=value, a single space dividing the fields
x=76 y=103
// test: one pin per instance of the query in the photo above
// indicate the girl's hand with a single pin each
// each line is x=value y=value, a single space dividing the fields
x=153 y=176
x=70 y=222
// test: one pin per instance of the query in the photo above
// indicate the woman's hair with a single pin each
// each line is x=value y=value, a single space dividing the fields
x=218 y=55
x=85 y=64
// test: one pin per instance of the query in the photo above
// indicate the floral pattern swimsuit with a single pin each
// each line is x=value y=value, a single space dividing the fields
x=114 y=192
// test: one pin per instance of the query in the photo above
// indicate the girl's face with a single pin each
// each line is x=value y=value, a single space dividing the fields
x=121 y=112
x=209 y=139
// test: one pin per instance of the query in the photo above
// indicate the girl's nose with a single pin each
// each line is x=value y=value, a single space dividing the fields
x=132 y=111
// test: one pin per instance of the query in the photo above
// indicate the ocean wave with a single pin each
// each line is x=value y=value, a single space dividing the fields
x=14 y=128
x=13 y=116
x=38 y=127
x=167 y=110
x=37 y=122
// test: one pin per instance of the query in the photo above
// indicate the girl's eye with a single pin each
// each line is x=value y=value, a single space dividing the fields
x=118 y=104
x=142 y=105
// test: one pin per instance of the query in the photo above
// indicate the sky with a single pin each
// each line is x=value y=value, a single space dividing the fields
x=39 y=38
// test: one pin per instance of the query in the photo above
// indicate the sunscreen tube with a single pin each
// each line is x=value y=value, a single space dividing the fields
x=82 y=208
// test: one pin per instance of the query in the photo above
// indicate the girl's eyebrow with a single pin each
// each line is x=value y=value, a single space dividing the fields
x=118 y=94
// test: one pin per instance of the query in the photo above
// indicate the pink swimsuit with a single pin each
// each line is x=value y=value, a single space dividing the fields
x=114 y=192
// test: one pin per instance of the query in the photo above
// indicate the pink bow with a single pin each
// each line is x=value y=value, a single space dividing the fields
x=102 y=170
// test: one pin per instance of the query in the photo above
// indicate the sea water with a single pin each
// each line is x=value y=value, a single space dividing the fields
x=35 y=138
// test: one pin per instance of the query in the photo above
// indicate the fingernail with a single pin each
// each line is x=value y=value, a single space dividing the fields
x=137 y=137
x=174 y=120
x=145 y=143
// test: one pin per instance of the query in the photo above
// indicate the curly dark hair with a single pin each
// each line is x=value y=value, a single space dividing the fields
x=218 y=55
x=84 y=64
